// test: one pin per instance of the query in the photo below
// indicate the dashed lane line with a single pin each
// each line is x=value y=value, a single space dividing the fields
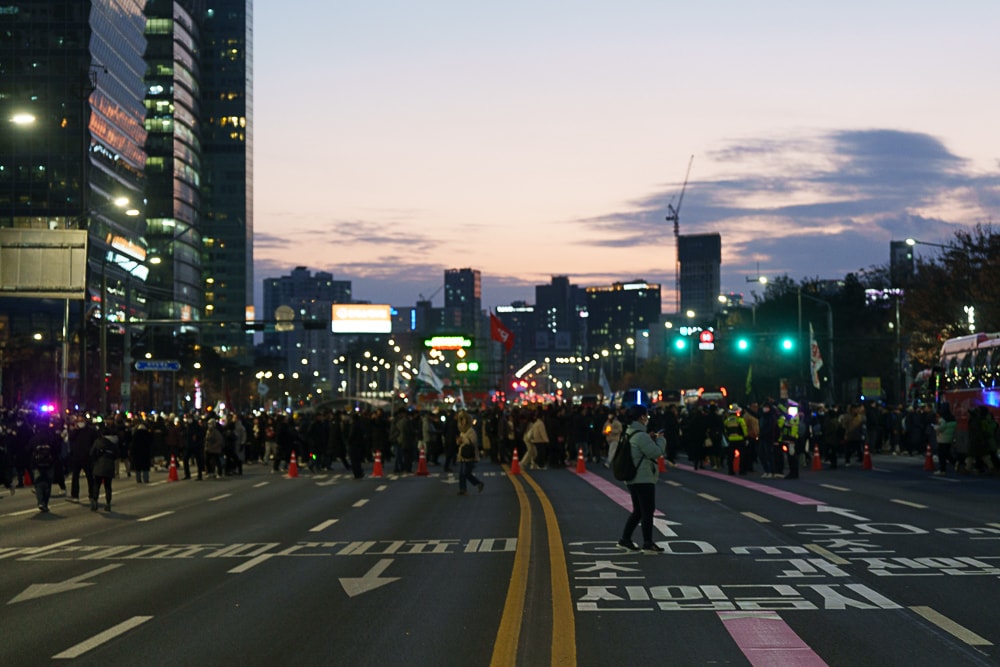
x=154 y=517
x=101 y=638
x=224 y=495
x=951 y=627
x=827 y=554
x=908 y=503
x=323 y=526
x=756 y=517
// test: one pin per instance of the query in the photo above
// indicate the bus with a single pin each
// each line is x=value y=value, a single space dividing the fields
x=967 y=376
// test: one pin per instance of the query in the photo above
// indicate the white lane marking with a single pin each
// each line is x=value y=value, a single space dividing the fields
x=103 y=637
x=951 y=627
x=361 y=503
x=156 y=516
x=381 y=487
x=41 y=590
x=835 y=487
x=907 y=503
x=260 y=484
x=756 y=517
x=224 y=495
x=708 y=496
x=323 y=526
x=33 y=510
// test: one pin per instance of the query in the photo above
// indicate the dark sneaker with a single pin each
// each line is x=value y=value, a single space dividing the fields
x=652 y=549
x=628 y=545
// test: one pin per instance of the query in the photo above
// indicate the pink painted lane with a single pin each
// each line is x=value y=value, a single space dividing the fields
x=756 y=486
x=767 y=641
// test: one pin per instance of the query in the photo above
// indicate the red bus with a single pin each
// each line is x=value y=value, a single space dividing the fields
x=968 y=376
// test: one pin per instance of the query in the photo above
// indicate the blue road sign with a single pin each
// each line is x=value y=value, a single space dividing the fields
x=157 y=365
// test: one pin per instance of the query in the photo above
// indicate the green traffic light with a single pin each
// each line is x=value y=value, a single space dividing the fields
x=742 y=344
x=787 y=344
x=680 y=344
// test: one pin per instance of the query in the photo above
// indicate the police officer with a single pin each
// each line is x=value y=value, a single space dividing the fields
x=790 y=440
x=735 y=428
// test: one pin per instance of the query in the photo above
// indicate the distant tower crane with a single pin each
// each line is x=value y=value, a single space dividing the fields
x=674 y=215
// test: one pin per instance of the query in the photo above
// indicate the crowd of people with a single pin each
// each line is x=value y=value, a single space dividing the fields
x=771 y=438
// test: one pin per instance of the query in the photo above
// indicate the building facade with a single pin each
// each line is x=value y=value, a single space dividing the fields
x=700 y=257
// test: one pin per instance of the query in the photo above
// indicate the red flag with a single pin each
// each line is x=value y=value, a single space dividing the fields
x=500 y=333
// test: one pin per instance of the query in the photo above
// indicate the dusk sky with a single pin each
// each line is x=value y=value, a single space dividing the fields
x=395 y=140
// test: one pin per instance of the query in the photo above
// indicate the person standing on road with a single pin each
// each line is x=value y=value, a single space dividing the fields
x=215 y=443
x=536 y=439
x=645 y=453
x=104 y=454
x=81 y=438
x=945 y=433
x=468 y=453
x=44 y=449
x=142 y=452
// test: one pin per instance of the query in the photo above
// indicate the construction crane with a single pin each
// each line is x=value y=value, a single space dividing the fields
x=674 y=215
x=433 y=294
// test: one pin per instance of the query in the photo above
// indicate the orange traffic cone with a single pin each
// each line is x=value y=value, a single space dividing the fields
x=27 y=477
x=661 y=464
x=736 y=461
x=817 y=461
x=293 y=467
x=172 y=475
x=581 y=465
x=866 y=463
x=515 y=464
x=929 y=459
x=422 y=464
x=377 y=470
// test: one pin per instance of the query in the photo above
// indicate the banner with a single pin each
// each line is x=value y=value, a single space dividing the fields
x=500 y=333
x=428 y=376
x=815 y=358
x=605 y=387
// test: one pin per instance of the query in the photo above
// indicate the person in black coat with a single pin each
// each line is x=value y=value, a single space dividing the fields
x=82 y=435
x=142 y=452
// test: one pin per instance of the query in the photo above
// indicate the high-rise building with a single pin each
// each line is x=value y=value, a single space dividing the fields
x=619 y=311
x=463 y=301
x=558 y=307
x=310 y=296
x=700 y=257
x=73 y=70
x=900 y=263
x=174 y=163
x=227 y=174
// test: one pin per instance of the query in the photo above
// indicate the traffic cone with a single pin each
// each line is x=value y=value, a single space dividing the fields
x=817 y=461
x=515 y=464
x=293 y=467
x=27 y=477
x=661 y=464
x=581 y=465
x=866 y=464
x=377 y=470
x=422 y=464
x=736 y=461
x=929 y=459
x=172 y=475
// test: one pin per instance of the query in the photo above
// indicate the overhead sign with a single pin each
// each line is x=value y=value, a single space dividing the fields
x=354 y=318
x=157 y=365
x=43 y=263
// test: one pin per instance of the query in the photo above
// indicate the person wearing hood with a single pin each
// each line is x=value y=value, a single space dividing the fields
x=104 y=454
x=142 y=451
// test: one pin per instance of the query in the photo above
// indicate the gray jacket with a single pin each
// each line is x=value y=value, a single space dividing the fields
x=645 y=452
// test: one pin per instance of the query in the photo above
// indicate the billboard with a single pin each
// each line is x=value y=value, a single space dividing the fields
x=360 y=318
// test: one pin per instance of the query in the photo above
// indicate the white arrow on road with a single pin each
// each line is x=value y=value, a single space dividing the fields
x=355 y=586
x=842 y=512
x=41 y=590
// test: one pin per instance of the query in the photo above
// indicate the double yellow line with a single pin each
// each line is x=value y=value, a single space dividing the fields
x=505 y=648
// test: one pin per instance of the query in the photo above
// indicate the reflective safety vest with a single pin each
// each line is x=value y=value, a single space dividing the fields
x=790 y=428
x=735 y=428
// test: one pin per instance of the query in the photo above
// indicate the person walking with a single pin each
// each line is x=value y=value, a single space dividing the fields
x=104 y=454
x=645 y=453
x=81 y=438
x=44 y=448
x=536 y=439
x=468 y=453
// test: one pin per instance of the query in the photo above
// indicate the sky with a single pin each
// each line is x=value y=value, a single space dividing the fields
x=537 y=138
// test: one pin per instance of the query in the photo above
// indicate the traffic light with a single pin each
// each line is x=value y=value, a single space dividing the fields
x=680 y=344
x=742 y=344
x=787 y=344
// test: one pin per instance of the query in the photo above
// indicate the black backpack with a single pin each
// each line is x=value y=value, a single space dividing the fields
x=622 y=465
x=44 y=457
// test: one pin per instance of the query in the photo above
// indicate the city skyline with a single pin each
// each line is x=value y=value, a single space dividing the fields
x=528 y=142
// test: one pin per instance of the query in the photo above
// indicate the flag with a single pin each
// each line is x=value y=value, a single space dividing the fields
x=427 y=376
x=815 y=358
x=749 y=385
x=500 y=333
x=397 y=380
x=605 y=387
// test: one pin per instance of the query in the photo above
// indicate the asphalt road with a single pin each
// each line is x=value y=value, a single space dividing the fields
x=890 y=566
